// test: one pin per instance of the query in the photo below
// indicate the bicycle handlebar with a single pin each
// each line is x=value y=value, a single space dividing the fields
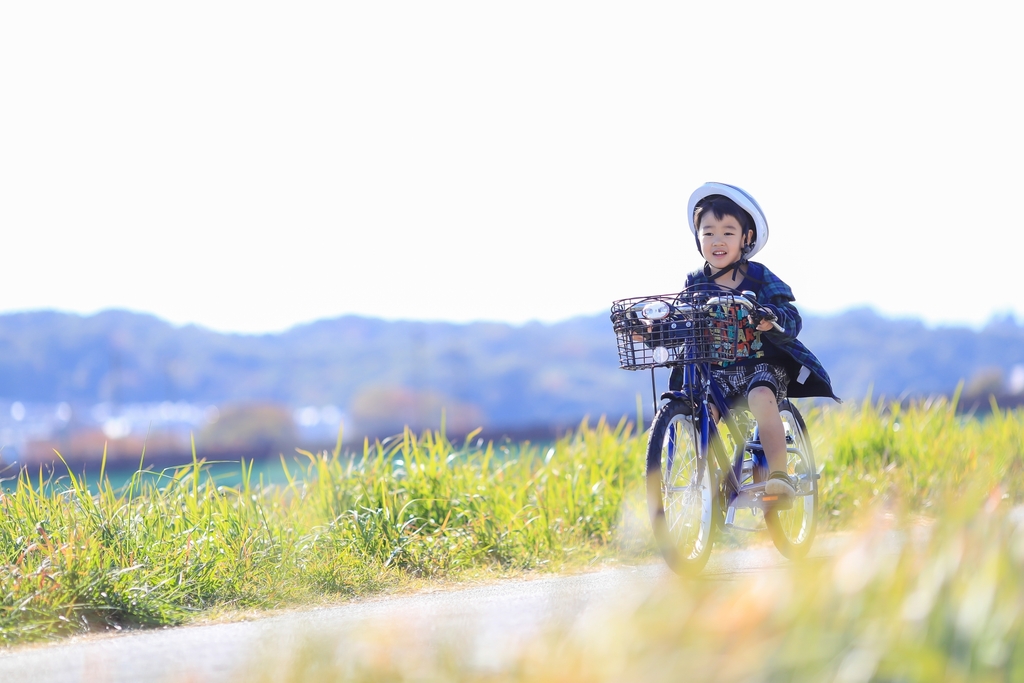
x=723 y=300
x=698 y=324
x=747 y=305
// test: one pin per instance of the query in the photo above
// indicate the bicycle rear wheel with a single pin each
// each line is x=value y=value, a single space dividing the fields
x=681 y=491
x=792 y=531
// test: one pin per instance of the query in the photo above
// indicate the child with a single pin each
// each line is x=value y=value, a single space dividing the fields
x=730 y=228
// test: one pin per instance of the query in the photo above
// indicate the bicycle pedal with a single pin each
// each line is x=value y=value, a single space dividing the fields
x=777 y=502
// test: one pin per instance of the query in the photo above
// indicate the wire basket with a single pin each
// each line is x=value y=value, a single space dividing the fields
x=696 y=325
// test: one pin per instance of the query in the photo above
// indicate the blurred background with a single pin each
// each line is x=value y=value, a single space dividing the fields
x=252 y=224
x=76 y=384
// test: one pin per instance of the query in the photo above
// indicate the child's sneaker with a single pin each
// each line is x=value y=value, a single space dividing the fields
x=779 y=492
x=779 y=484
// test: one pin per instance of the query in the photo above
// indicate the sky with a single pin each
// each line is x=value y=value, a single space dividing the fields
x=248 y=166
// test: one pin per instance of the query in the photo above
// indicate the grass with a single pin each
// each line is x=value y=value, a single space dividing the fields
x=948 y=608
x=916 y=456
x=165 y=548
x=944 y=603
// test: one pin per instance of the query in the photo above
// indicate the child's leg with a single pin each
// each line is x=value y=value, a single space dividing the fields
x=762 y=403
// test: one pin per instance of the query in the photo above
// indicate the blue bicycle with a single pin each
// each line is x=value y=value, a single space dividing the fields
x=699 y=478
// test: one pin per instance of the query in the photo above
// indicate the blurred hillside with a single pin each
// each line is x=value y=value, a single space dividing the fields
x=861 y=349
x=117 y=372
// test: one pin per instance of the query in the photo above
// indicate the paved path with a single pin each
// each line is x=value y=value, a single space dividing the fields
x=492 y=619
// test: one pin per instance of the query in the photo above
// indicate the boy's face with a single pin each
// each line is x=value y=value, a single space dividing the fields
x=721 y=240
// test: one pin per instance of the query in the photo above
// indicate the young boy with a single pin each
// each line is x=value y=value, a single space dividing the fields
x=730 y=228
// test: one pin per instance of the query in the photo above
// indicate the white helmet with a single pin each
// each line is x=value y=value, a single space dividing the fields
x=745 y=202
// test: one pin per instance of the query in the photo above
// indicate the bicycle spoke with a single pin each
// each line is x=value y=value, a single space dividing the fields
x=685 y=490
x=797 y=522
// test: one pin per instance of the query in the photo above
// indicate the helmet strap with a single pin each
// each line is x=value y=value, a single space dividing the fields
x=734 y=267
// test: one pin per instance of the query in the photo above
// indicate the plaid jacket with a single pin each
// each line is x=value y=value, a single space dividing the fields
x=809 y=376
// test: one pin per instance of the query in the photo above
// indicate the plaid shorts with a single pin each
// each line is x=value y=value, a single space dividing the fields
x=737 y=380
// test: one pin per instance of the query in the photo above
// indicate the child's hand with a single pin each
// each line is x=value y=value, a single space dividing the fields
x=761 y=319
x=643 y=335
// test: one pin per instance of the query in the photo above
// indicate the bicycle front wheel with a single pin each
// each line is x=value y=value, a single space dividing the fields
x=681 y=491
x=792 y=531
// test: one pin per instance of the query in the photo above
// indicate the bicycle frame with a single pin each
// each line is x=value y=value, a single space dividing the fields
x=702 y=386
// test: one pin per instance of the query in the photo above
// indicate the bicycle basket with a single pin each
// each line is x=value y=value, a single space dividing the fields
x=696 y=325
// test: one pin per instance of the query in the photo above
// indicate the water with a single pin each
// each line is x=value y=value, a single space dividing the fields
x=226 y=473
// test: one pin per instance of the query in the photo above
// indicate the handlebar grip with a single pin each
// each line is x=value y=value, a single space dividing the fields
x=762 y=313
x=729 y=300
x=774 y=320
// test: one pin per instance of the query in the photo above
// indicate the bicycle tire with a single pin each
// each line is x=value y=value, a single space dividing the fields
x=682 y=514
x=792 y=531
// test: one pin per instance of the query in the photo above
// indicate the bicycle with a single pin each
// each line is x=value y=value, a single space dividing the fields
x=694 y=489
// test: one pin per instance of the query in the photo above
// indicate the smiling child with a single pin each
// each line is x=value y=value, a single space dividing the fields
x=730 y=228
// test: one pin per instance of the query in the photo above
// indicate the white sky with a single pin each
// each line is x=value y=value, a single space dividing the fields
x=251 y=165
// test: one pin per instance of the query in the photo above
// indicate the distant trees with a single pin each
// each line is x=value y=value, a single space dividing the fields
x=253 y=426
x=382 y=410
x=386 y=374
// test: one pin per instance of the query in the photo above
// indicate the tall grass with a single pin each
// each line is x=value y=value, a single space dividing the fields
x=916 y=456
x=949 y=607
x=167 y=546
x=164 y=547
x=942 y=601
